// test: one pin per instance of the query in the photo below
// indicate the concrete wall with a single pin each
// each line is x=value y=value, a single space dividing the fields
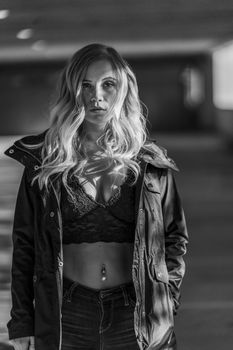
x=224 y=121
x=162 y=89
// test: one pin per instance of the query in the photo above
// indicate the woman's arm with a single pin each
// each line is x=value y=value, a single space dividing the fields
x=176 y=236
x=21 y=323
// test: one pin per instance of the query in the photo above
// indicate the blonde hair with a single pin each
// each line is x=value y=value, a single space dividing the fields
x=125 y=131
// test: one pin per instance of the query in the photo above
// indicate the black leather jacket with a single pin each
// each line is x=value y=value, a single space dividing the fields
x=37 y=264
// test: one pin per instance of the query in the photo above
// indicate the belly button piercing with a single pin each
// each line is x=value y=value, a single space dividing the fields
x=103 y=273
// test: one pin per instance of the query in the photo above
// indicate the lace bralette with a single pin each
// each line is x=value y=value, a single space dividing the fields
x=87 y=220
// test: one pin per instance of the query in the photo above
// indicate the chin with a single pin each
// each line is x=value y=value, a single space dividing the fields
x=98 y=121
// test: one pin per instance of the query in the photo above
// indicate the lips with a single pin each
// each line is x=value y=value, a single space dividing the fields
x=97 y=109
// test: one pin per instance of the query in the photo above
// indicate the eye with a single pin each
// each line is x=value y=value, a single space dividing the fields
x=86 y=86
x=109 y=84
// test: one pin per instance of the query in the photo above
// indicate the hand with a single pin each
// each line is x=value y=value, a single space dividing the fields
x=24 y=343
x=32 y=343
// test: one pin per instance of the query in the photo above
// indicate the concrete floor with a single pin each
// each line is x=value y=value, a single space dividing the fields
x=205 y=181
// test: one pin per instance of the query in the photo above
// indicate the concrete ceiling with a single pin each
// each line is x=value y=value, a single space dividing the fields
x=56 y=28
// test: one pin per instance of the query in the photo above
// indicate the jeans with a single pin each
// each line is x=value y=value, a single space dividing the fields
x=98 y=319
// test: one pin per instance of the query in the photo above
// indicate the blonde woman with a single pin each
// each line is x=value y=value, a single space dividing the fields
x=99 y=232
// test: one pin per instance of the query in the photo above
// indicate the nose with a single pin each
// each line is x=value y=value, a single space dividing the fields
x=97 y=95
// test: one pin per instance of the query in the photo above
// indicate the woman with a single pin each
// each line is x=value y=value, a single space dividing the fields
x=99 y=231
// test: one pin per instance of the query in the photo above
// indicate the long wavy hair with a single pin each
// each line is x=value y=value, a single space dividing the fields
x=63 y=152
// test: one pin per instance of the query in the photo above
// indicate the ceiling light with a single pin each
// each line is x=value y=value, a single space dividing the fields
x=4 y=14
x=25 y=34
x=39 y=45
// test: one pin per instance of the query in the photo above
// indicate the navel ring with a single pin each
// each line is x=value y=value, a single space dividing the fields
x=103 y=273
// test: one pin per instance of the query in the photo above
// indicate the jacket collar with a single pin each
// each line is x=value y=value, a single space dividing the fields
x=157 y=156
x=151 y=153
x=20 y=152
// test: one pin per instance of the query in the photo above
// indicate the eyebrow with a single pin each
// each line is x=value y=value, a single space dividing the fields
x=103 y=79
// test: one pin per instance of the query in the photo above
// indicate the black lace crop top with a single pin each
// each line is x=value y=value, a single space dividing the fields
x=90 y=221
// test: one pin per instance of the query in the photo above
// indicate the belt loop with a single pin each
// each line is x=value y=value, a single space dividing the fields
x=126 y=299
x=70 y=291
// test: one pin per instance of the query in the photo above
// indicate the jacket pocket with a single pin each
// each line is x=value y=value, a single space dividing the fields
x=158 y=272
x=36 y=279
x=36 y=276
x=151 y=185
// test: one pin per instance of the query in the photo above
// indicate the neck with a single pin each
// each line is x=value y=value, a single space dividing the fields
x=91 y=135
x=92 y=132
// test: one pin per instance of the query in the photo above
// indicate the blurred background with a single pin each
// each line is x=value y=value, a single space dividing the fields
x=182 y=54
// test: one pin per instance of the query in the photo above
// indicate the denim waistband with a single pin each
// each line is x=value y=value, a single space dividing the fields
x=73 y=287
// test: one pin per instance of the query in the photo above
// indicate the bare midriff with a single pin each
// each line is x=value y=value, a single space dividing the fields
x=84 y=263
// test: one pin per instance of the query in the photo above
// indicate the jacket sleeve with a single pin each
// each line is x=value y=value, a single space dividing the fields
x=21 y=323
x=176 y=236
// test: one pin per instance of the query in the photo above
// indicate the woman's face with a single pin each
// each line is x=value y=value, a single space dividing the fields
x=99 y=90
